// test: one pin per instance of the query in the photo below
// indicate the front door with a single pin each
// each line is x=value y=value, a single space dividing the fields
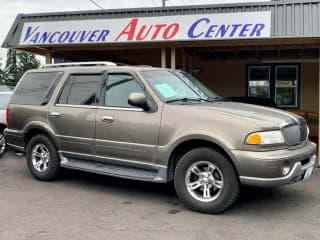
x=125 y=133
x=73 y=116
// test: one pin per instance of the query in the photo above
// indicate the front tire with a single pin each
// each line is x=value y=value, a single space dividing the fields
x=206 y=181
x=42 y=158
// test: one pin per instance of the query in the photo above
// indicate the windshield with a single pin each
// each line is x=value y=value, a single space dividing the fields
x=196 y=85
x=176 y=86
x=4 y=100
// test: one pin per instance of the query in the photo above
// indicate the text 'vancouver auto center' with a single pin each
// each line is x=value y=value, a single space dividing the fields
x=266 y=50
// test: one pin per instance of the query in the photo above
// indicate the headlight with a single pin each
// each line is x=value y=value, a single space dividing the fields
x=264 y=138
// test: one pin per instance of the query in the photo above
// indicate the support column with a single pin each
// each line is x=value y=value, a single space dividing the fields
x=183 y=61
x=173 y=58
x=48 y=58
x=319 y=108
x=163 y=58
x=190 y=64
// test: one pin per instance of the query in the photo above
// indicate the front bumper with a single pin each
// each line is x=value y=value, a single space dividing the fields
x=264 y=169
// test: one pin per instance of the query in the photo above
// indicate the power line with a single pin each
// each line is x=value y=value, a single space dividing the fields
x=95 y=3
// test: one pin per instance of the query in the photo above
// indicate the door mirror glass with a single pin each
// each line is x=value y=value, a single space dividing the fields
x=138 y=100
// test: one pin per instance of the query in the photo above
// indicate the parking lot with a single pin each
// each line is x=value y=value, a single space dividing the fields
x=88 y=206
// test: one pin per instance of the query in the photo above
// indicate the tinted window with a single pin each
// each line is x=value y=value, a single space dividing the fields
x=81 y=90
x=119 y=87
x=4 y=100
x=34 y=88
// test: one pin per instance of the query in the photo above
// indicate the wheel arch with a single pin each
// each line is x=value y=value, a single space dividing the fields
x=183 y=147
x=33 y=130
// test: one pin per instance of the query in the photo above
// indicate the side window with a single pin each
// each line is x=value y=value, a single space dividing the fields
x=36 y=88
x=81 y=90
x=119 y=87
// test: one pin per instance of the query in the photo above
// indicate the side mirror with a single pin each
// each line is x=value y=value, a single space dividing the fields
x=138 y=100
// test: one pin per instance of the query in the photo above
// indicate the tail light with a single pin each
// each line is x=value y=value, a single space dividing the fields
x=7 y=117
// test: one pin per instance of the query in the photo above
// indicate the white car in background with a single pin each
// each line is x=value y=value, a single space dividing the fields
x=4 y=100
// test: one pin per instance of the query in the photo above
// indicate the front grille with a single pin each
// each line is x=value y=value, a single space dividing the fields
x=295 y=133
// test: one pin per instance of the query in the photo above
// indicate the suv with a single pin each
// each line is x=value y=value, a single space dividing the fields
x=156 y=125
x=4 y=100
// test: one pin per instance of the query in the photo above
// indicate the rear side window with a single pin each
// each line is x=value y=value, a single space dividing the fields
x=81 y=90
x=36 y=88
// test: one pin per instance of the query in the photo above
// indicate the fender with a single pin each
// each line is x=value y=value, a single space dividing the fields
x=164 y=152
x=38 y=125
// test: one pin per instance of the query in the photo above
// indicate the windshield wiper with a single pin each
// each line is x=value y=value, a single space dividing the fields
x=188 y=100
x=217 y=99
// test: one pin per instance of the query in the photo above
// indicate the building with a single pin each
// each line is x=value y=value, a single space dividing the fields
x=268 y=49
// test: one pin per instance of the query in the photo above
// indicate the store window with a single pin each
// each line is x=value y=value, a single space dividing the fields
x=279 y=82
x=286 y=86
x=259 y=81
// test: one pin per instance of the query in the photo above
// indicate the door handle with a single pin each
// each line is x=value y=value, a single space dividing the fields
x=55 y=114
x=107 y=119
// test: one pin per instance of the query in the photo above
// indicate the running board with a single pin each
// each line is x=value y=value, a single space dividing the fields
x=156 y=174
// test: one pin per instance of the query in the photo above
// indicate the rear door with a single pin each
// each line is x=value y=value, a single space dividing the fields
x=125 y=133
x=72 y=117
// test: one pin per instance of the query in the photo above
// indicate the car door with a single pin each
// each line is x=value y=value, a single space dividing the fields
x=125 y=133
x=72 y=117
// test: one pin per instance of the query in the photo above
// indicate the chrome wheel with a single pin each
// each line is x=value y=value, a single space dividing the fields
x=2 y=143
x=40 y=157
x=204 y=181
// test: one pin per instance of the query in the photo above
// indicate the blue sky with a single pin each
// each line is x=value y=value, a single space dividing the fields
x=10 y=8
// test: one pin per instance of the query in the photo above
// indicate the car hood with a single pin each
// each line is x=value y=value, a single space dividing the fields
x=265 y=117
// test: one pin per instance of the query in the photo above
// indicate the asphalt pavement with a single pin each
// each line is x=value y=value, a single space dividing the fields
x=85 y=206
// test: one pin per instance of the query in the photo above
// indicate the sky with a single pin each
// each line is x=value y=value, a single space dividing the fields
x=11 y=8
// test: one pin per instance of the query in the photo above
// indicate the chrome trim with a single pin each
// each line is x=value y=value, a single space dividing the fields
x=80 y=138
x=295 y=172
x=114 y=159
x=127 y=143
x=76 y=106
x=100 y=107
x=122 y=109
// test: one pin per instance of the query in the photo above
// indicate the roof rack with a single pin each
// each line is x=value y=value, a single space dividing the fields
x=77 y=64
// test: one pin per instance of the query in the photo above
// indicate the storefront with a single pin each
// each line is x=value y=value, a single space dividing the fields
x=266 y=49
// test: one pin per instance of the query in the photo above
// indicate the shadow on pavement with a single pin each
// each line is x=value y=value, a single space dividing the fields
x=266 y=201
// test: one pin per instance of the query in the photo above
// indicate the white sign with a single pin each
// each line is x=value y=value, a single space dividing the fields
x=241 y=25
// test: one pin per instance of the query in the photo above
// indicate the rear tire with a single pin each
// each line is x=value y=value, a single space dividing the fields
x=42 y=158
x=3 y=144
x=206 y=181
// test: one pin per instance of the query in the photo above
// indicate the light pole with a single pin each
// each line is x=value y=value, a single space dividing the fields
x=164 y=3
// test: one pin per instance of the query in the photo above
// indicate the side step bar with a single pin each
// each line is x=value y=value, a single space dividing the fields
x=156 y=174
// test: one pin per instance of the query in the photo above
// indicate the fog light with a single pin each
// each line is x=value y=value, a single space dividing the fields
x=286 y=167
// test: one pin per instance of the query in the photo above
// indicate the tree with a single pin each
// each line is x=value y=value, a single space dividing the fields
x=18 y=62
x=26 y=61
x=11 y=68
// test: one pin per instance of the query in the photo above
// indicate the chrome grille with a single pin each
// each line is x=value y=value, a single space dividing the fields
x=295 y=133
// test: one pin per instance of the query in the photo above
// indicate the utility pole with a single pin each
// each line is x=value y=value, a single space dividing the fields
x=164 y=3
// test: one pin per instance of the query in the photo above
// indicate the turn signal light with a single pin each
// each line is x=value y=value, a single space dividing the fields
x=254 y=139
